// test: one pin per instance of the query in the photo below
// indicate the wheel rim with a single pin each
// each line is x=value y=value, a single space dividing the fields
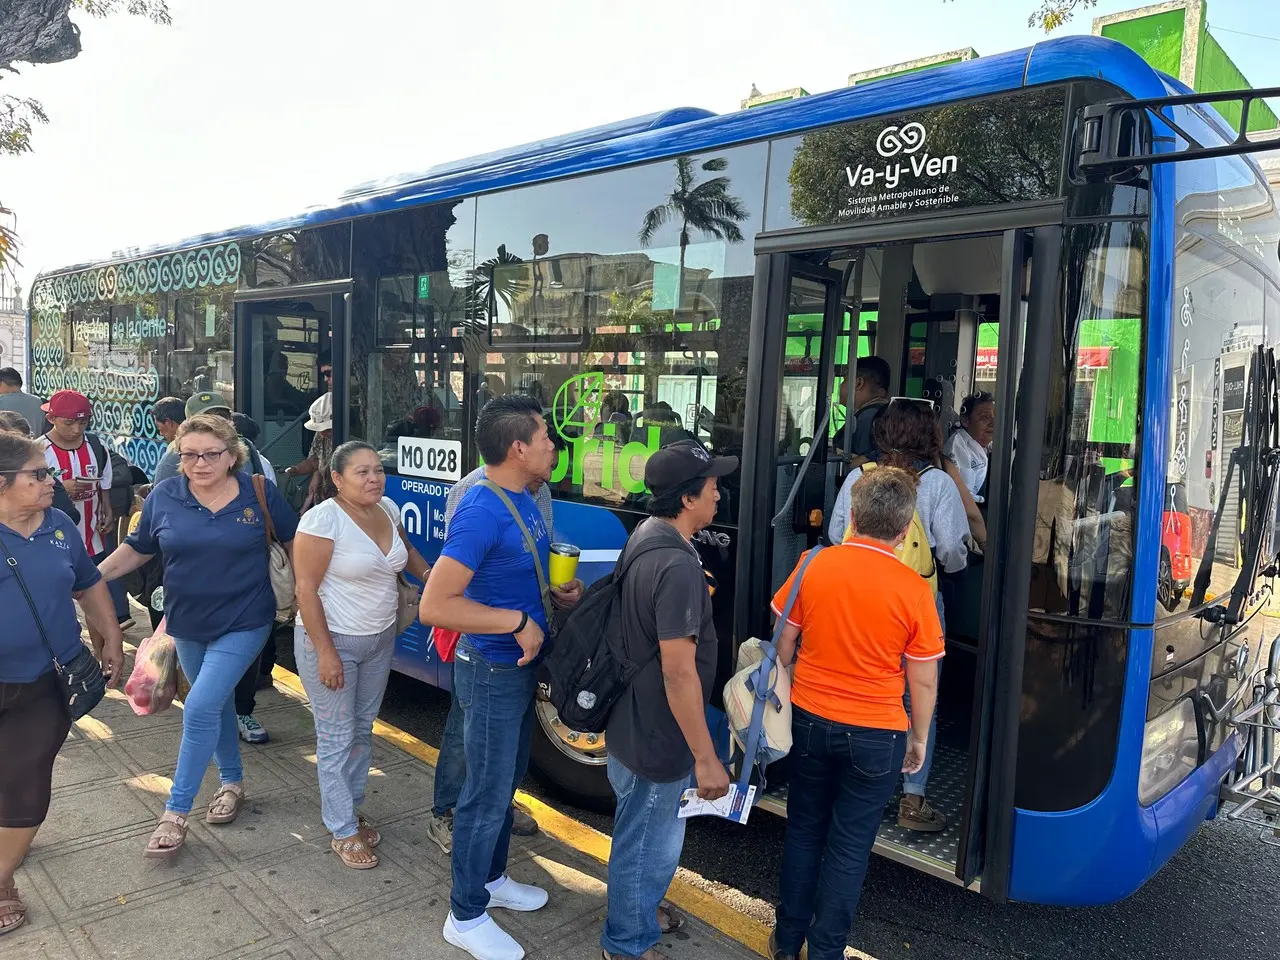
x=585 y=748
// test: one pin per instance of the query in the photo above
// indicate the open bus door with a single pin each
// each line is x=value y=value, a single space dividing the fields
x=819 y=310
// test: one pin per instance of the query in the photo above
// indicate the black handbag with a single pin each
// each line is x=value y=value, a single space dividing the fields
x=82 y=681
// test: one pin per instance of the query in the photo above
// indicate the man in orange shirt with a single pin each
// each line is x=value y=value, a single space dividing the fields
x=863 y=613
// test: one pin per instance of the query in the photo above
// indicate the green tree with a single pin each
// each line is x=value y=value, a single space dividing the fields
x=37 y=32
x=707 y=207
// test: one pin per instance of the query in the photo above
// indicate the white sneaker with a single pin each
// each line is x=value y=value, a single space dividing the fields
x=488 y=941
x=512 y=895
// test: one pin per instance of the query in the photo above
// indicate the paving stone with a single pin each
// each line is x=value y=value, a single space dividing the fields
x=195 y=924
x=80 y=762
x=269 y=825
x=575 y=891
x=115 y=868
x=388 y=796
x=317 y=886
x=408 y=932
x=93 y=811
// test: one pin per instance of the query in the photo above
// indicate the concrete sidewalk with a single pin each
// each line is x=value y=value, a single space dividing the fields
x=268 y=884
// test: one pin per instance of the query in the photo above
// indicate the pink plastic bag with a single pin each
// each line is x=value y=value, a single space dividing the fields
x=154 y=681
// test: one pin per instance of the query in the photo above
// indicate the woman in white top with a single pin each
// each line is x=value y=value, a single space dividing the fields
x=969 y=448
x=347 y=555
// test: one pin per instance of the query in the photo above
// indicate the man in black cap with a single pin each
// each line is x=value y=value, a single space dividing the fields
x=657 y=733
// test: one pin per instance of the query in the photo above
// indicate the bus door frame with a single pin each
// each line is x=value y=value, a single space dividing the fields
x=339 y=294
x=986 y=843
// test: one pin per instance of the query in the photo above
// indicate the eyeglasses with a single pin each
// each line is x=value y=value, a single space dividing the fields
x=40 y=474
x=210 y=457
x=327 y=374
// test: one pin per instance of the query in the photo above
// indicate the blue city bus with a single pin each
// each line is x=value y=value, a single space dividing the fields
x=1060 y=225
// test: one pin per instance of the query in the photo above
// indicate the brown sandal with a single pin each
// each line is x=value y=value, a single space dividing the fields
x=669 y=918
x=351 y=847
x=370 y=833
x=229 y=810
x=11 y=906
x=172 y=828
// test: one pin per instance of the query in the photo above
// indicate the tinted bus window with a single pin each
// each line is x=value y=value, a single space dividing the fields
x=999 y=150
x=1084 y=539
x=411 y=332
x=297 y=256
x=622 y=302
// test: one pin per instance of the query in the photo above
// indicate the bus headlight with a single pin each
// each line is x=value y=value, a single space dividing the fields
x=1170 y=749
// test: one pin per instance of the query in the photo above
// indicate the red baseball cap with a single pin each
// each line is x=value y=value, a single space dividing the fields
x=69 y=405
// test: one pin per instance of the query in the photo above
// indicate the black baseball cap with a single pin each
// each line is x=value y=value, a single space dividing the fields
x=684 y=460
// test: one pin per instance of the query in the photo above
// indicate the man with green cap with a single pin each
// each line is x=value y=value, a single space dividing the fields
x=214 y=403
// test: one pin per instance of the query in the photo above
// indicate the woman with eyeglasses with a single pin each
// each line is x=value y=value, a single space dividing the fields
x=218 y=601
x=969 y=447
x=908 y=436
x=41 y=550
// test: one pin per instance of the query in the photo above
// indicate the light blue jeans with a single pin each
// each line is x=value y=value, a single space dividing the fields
x=915 y=783
x=208 y=713
x=344 y=719
x=648 y=836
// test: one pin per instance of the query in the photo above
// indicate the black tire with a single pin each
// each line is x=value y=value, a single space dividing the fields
x=582 y=784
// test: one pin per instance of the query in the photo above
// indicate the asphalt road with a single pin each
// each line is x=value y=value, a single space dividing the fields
x=1218 y=899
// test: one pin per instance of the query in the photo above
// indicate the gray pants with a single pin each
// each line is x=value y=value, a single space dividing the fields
x=344 y=719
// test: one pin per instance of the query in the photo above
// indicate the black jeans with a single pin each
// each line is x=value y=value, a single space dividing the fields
x=841 y=779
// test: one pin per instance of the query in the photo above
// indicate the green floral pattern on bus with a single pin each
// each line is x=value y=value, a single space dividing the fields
x=122 y=395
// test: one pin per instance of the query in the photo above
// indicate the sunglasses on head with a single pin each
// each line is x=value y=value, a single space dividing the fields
x=923 y=401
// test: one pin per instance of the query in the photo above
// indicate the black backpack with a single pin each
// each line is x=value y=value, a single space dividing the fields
x=587 y=670
x=120 y=496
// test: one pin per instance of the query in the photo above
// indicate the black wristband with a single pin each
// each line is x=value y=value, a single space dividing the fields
x=524 y=622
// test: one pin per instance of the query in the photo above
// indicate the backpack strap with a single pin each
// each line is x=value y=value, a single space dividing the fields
x=255 y=459
x=530 y=544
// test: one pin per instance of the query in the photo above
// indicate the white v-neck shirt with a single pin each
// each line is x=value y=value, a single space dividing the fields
x=359 y=588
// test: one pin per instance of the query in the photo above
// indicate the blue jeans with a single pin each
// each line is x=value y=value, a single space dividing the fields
x=497 y=720
x=647 y=839
x=344 y=719
x=841 y=778
x=915 y=783
x=208 y=713
x=451 y=765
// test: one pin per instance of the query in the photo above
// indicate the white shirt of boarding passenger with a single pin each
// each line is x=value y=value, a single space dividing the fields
x=970 y=459
x=941 y=512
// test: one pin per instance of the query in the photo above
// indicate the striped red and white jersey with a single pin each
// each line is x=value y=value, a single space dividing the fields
x=80 y=464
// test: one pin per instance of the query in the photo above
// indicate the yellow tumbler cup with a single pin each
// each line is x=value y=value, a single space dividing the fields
x=564 y=563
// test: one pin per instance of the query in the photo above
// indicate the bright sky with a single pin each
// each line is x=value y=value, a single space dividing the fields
x=247 y=109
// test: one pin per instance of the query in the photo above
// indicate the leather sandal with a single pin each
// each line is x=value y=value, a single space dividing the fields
x=11 y=906
x=669 y=918
x=349 y=848
x=370 y=833
x=172 y=832
x=222 y=810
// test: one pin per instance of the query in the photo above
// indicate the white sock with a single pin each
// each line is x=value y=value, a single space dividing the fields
x=493 y=885
x=462 y=926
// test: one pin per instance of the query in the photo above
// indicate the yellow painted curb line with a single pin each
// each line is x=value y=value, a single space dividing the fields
x=573 y=833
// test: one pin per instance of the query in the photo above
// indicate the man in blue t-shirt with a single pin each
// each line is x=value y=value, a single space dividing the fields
x=486 y=585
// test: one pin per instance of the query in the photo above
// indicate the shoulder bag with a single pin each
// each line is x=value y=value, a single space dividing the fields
x=279 y=566
x=82 y=681
x=408 y=595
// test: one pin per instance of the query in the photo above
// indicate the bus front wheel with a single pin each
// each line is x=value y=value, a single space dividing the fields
x=570 y=763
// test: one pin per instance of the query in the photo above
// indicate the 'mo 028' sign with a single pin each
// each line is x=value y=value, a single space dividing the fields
x=1002 y=149
x=436 y=459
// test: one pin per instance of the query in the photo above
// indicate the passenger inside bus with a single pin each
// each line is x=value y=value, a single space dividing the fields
x=969 y=446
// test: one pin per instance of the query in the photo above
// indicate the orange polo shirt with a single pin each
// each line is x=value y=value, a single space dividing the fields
x=860 y=610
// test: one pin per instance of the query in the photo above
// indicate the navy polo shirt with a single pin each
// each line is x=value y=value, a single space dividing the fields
x=54 y=563
x=215 y=564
